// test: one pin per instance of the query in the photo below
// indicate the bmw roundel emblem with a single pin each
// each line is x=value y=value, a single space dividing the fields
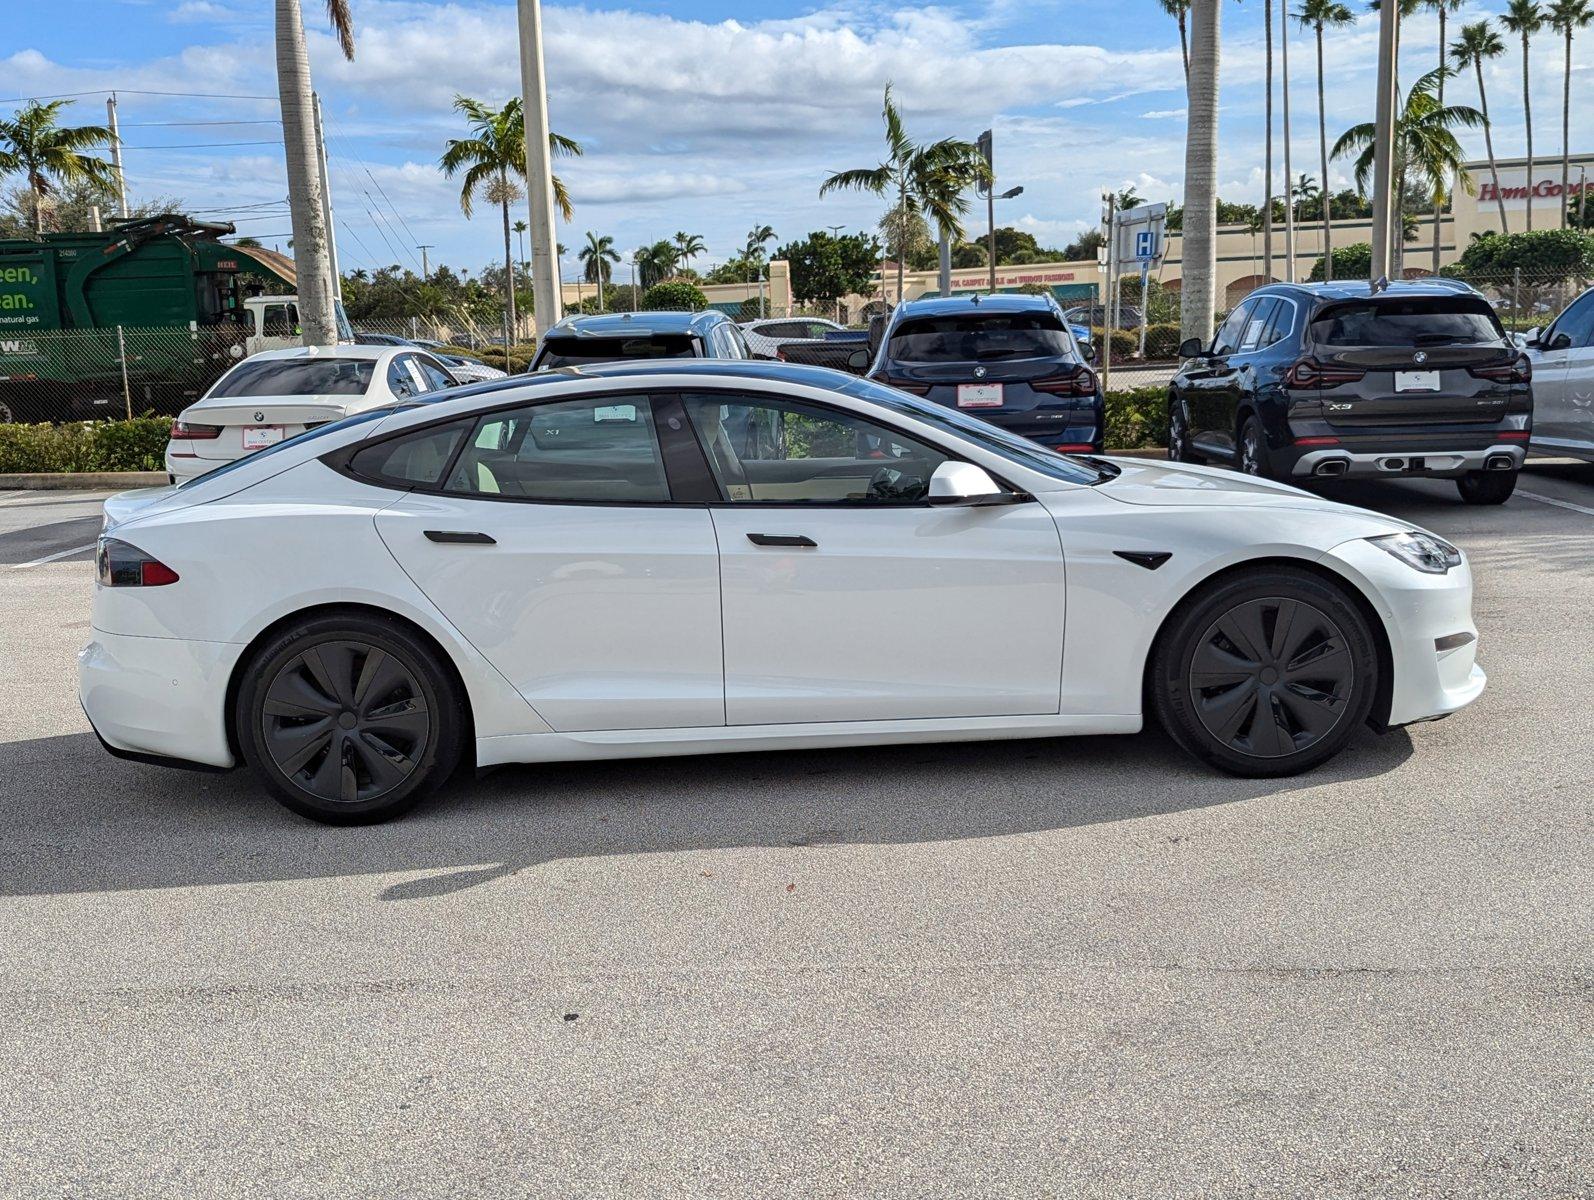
x=260 y=416
x=979 y=372
x=1421 y=356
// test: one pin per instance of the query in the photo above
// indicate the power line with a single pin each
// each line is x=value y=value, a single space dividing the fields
x=205 y=145
x=135 y=92
x=153 y=124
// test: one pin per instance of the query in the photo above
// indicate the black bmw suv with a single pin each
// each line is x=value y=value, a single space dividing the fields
x=1307 y=381
x=1008 y=358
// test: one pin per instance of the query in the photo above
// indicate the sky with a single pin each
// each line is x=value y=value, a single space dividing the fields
x=707 y=116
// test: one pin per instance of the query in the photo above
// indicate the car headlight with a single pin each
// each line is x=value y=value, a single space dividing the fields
x=1420 y=551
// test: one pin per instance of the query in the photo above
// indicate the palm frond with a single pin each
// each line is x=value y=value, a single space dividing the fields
x=342 y=21
x=864 y=179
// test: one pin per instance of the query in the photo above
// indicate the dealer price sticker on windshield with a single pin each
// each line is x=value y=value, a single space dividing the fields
x=979 y=395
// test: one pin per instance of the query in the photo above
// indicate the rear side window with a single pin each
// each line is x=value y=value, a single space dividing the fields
x=1256 y=324
x=297 y=377
x=413 y=460
x=1418 y=321
x=576 y=351
x=968 y=337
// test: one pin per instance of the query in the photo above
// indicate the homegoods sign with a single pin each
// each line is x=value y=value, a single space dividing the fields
x=1545 y=186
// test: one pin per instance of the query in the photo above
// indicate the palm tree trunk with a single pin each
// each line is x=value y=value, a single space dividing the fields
x=1199 y=250
x=1438 y=197
x=1289 y=169
x=1322 y=146
x=1267 y=168
x=312 y=261
x=509 y=260
x=36 y=190
x=902 y=231
x=1488 y=143
x=1184 y=49
x=1527 y=122
x=1566 y=124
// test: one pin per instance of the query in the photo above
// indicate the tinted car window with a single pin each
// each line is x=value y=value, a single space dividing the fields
x=1231 y=331
x=1282 y=324
x=1256 y=324
x=1419 y=321
x=568 y=351
x=594 y=450
x=435 y=376
x=399 y=380
x=967 y=337
x=417 y=459
x=298 y=377
x=1577 y=322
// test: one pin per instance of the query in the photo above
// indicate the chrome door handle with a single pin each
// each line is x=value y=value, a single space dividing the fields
x=780 y=539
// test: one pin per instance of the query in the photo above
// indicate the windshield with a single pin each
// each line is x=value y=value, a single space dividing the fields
x=968 y=337
x=578 y=351
x=297 y=377
x=1010 y=446
x=310 y=435
x=1424 y=321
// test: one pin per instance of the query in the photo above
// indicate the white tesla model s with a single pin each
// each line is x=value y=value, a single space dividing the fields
x=698 y=556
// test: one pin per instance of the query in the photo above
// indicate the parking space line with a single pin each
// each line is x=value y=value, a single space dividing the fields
x=1582 y=508
x=52 y=557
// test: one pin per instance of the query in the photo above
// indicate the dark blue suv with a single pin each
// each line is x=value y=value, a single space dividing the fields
x=1010 y=359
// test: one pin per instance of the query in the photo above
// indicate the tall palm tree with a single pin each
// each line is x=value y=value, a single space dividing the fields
x=596 y=256
x=1199 y=249
x=757 y=238
x=1179 y=11
x=311 y=246
x=1477 y=44
x=520 y=228
x=1426 y=149
x=1566 y=17
x=926 y=180
x=1318 y=15
x=1444 y=8
x=655 y=263
x=1525 y=18
x=687 y=247
x=45 y=153
x=1267 y=156
x=493 y=158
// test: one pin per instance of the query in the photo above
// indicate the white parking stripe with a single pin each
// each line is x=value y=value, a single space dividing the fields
x=1582 y=508
x=52 y=557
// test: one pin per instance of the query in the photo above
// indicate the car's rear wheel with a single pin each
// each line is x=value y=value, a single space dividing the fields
x=1179 y=436
x=1487 y=487
x=349 y=719
x=1266 y=673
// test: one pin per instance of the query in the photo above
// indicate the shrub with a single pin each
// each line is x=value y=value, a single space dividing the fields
x=1136 y=418
x=1543 y=251
x=1162 y=341
x=1124 y=343
x=1350 y=262
x=674 y=294
x=136 y=445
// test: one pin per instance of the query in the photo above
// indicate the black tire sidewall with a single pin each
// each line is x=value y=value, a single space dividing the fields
x=1263 y=467
x=392 y=637
x=1177 y=643
x=1487 y=487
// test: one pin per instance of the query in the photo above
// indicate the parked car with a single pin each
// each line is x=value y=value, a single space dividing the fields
x=578 y=341
x=464 y=370
x=1129 y=317
x=765 y=336
x=270 y=397
x=1009 y=358
x=1562 y=355
x=692 y=557
x=1329 y=380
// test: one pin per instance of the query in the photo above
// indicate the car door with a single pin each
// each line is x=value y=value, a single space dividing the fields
x=550 y=538
x=847 y=597
x=1209 y=386
x=1563 y=378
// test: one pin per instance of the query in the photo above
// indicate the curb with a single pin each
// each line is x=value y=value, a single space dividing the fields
x=91 y=481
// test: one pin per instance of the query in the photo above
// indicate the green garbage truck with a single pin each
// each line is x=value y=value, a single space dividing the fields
x=139 y=319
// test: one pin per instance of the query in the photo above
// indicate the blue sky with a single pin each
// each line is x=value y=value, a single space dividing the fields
x=702 y=115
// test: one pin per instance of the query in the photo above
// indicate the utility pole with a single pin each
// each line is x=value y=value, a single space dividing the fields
x=545 y=282
x=1109 y=316
x=426 y=267
x=986 y=144
x=326 y=198
x=116 y=156
x=944 y=266
x=1289 y=179
x=1384 y=219
x=1267 y=164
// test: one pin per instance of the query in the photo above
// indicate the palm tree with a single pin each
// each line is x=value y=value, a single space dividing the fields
x=520 y=228
x=1178 y=10
x=311 y=247
x=1426 y=150
x=1444 y=8
x=1525 y=18
x=757 y=238
x=493 y=158
x=1319 y=15
x=687 y=247
x=656 y=262
x=46 y=153
x=597 y=254
x=1477 y=44
x=1567 y=17
x=1199 y=252
x=1267 y=156
x=927 y=180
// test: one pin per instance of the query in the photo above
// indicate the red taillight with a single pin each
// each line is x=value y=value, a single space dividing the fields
x=780 y=355
x=1514 y=435
x=1309 y=373
x=1080 y=383
x=1317 y=441
x=122 y=565
x=187 y=431
x=1520 y=371
x=1074 y=448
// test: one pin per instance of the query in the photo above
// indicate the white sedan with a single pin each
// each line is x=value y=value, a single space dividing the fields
x=692 y=557
x=275 y=395
x=764 y=336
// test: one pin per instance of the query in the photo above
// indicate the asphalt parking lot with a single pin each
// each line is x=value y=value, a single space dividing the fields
x=1074 y=968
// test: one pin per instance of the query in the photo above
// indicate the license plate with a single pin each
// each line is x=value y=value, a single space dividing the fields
x=258 y=437
x=1416 y=381
x=979 y=395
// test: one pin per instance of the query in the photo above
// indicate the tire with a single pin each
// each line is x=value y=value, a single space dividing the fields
x=1251 y=449
x=336 y=756
x=1487 y=487
x=1214 y=677
x=1179 y=435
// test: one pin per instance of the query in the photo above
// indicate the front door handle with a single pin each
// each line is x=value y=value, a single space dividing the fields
x=460 y=537
x=780 y=539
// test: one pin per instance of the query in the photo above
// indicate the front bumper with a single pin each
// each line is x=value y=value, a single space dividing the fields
x=159 y=697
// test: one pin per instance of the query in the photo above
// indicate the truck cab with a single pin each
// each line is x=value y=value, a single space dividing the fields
x=272 y=323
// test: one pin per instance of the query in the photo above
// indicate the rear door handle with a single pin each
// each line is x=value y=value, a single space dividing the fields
x=780 y=539
x=460 y=537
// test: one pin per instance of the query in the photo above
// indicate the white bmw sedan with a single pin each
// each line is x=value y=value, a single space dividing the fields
x=277 y=394
x=691 y=557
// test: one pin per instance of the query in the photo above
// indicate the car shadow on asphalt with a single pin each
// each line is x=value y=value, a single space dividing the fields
x=80 y=821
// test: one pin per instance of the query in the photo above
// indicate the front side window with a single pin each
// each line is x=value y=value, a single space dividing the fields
x=280 y=320
x=597 y=450
x=1418 y=321
x=1577 y=322
x=772 y=451
x=297 y=377
x=1232 y=330
x=972 y=337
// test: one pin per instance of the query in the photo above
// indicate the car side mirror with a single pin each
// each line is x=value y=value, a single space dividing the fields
x=1192 y=348
x=858 y=361
x=964 y=485
x=1560 y=341
x=1087 y=351
x=1531 y=337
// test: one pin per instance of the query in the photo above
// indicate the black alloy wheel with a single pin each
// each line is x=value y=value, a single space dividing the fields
x=1178 y=435
x=1253 y=456
x=1487 y=487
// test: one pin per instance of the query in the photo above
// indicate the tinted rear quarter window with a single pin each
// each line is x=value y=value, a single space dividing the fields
x=298 y=377
x=576 y=351
x=1418 y=321
x=968 y=337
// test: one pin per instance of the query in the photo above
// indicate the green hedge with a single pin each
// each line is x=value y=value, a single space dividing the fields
x=1137 y=418
x=136 y=445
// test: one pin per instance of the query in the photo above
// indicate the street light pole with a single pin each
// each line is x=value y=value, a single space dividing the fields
x=545 y=287
x=1383 y=140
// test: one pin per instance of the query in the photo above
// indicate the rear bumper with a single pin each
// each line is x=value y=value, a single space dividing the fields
x=1345 y=462
x=158 y=698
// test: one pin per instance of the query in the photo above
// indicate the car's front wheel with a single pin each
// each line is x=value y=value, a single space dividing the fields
x=1487 y=487
x=349 y=719
x=1179 y=435
x=1266 y=673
